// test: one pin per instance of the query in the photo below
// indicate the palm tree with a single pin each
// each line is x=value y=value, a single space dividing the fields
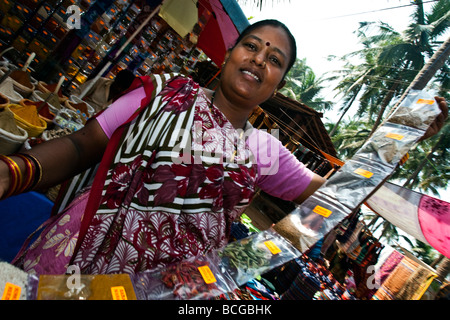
x=303 y=85
x=392 y=59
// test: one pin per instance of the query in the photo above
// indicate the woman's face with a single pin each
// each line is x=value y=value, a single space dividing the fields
x=256 y=65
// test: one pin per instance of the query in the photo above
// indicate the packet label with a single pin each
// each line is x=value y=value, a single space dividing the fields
x=207 y=274
x=395 y=136
x=322 y=211
x=119 y=293
x=425 y=101
x=364 y=173
x=11 y=292
x=272 y=247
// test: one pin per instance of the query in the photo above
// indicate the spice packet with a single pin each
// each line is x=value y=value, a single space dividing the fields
x=418 y=110
x=252 y=256
x=311 y=220
x=195 y=278
x=356 y=180
x=85 y=287
x=389 y=144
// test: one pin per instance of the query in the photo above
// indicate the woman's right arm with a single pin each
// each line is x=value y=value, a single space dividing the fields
x=62 y=158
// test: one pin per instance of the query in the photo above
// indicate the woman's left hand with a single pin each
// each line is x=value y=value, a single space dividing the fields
x=439 y=122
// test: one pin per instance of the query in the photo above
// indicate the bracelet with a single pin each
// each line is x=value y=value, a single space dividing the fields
x=15 y=176
x=30 y=173
x=37 y=167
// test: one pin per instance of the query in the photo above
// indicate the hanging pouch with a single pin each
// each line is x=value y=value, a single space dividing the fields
x=355 y=181
x=389 y=144
x=250 y=257
x=312 y=220
x=418 y=110
x=196 y=278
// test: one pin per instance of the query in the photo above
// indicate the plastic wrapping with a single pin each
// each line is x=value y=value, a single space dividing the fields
x=418 y=110
x=309 y=222
x=247 y=258
x=355 y=181
x=195 y=278
x=85 y=287
x=389 y=144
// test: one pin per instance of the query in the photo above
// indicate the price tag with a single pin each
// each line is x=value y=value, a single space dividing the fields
x=272 y=247
x=322 y=211
x=119 y=293
x=11 y=292
x=364 y=173
x=207 y=274
x=394 y=136
x=425 y=101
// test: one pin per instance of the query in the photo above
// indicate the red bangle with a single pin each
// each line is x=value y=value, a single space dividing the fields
x=15 y=175
x=30 y=172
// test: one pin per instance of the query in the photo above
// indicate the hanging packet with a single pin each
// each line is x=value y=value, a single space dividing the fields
x=252 y=256
x=85 y=287
x=389 y=144
x=355 y=181
x=418 y=110
x=311 y=220
x=195 y=278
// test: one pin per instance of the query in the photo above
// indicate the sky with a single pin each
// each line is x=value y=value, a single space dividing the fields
x=326 y=27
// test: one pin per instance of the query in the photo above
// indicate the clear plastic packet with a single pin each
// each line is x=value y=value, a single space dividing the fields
x=14 y=282
x=195 y=278
x=252 y=256
x=311 y=220
x=355 y=181
x=418 y=110
x=389 y=144
x=85 y=287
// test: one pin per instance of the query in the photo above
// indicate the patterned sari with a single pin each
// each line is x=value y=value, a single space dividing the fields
x=172 y=180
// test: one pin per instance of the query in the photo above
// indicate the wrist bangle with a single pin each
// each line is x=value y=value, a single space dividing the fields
x=15 y=175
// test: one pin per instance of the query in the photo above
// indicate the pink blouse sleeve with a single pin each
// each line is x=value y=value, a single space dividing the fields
x=120 y=111
x=280 y=173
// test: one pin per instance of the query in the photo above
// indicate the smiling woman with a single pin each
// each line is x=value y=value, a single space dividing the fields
x=175 y=168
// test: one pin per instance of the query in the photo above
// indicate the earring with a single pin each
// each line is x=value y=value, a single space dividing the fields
x=275 y=93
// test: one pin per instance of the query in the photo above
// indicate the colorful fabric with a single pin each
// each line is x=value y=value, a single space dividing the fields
x=423 y=217
x=396 y=280
x=144 y=210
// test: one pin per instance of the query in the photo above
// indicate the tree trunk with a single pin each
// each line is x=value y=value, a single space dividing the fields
x=387 y=99
x=333 y=131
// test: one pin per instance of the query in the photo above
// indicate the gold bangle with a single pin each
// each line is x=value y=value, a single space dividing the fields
x=30 y=172
x=38 y=167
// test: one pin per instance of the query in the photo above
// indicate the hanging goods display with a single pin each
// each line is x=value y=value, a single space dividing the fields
x=359 y=178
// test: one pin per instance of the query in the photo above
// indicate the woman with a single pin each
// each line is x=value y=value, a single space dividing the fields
x=179 y=163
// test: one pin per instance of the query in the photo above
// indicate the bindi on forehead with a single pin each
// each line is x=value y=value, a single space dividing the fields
x=268 y=44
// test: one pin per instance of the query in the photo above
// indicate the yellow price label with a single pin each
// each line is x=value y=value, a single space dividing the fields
x=207 y=274
x=273 y=248
x=322 y=211
x=394 y=136
x=425 y=101
x=11 y=292
x=364 y=173
x=119 y=293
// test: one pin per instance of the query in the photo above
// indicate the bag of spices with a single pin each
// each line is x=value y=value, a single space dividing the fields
x=195 y=278
x=418 y=110
x=85 y=287
x=355 y=181
x=311 y=220
x=389 y=144
x=252 y=256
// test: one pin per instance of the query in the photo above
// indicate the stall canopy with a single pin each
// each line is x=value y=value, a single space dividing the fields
x=223 y=22
x=423 y=217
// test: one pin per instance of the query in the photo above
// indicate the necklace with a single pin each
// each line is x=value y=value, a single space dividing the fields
x=235 y=143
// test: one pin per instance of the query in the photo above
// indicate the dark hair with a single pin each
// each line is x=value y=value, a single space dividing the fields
x=276 y=24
